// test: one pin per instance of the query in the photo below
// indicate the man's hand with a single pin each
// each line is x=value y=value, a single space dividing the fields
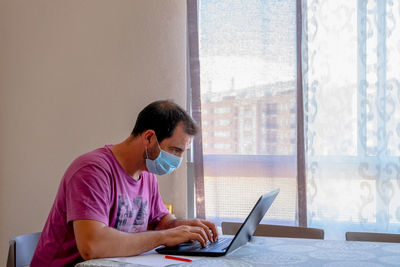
x=208 y=228
x=184 y=233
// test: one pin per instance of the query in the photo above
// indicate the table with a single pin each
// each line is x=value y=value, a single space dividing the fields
x=272 y=251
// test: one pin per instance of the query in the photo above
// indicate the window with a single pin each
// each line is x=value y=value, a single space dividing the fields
x=247 y=55
x=344 y=143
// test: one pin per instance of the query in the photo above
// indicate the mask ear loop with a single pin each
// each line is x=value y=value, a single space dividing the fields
x=147 y=155
x=158 y=143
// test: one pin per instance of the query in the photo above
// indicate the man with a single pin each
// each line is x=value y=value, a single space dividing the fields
x=108 y=203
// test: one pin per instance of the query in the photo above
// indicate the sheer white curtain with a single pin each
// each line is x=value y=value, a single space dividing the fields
x=351 y=83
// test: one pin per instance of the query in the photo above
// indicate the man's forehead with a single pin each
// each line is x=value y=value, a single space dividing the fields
x=180 y=137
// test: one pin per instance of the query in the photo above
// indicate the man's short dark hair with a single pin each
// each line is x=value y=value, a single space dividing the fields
x=163 y=116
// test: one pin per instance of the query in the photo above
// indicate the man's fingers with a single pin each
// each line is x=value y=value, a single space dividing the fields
x=186 y=233
x=213 y=228
x=199 y=235
x=207 y=231
x=207 y=226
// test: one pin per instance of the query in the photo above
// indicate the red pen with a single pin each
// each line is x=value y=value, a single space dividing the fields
x=177 y=258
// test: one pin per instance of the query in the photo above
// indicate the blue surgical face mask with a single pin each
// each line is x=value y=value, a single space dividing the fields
x=165 y=163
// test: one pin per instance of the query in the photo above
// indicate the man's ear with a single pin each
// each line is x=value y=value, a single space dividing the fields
x=148 y=137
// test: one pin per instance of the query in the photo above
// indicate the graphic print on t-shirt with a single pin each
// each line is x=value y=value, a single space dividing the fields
x=132 y=214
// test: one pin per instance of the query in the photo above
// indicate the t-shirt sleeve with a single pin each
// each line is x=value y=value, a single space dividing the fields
x=88 y=195
x=158 y=209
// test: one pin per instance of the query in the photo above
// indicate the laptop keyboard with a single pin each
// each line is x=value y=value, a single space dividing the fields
x=220 y=245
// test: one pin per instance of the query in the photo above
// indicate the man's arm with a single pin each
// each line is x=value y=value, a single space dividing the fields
x=96 y=240
x=169 y=221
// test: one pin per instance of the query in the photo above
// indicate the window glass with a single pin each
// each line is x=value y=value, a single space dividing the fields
x=248 y=88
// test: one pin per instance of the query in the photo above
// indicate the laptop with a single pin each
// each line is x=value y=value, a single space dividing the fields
x=226 y=245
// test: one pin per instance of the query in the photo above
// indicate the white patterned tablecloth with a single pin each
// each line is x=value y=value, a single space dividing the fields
x=270 y=251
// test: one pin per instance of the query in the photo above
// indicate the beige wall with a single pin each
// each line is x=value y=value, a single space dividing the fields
x=73 y=75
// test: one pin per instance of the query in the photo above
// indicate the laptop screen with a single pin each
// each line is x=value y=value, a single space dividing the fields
x=249 y=226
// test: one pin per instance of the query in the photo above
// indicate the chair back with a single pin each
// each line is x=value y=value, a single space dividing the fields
x=231 y=228
x=21 y=249
x=374 y=237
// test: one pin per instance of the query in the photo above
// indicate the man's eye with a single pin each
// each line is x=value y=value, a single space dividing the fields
x=177 y=152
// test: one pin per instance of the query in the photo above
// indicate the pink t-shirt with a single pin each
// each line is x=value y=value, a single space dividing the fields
x=96 y=187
